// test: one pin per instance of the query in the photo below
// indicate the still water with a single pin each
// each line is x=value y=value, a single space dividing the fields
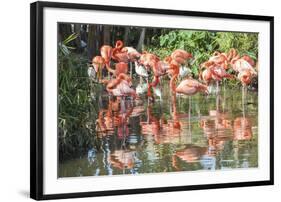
x=181 y=133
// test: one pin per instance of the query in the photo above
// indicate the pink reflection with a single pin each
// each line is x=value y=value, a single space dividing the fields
x=242 y=128
x=122 y=159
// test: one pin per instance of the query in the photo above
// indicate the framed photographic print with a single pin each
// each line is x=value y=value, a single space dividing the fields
x=134 y=100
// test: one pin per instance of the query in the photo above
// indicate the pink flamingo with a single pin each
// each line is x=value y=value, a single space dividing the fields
x=188 y=86
x=221 y=59
x=206 y=76
x=178 y=57
x=120 y=86
x=125 y=54
x=98 y=63
x=106 y=53
x=120 y=67
x=215 y=72
x=242 y=129
x=245 y=67
x=243 y=63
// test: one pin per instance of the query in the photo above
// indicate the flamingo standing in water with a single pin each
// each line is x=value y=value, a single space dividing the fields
x=245 y=67
x=188 y=87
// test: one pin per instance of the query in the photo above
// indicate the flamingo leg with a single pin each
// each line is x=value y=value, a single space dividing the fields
x=147 y=111
x=131 y=72
x=243 y=101
x=218 y=87
x=217 y=104
x=223 y=106
x=189 y=117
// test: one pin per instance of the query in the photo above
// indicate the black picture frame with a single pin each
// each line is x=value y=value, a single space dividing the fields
x=37 y=101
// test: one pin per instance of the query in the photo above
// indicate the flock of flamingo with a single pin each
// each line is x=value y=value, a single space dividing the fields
x=118 y=84
x=118 y=81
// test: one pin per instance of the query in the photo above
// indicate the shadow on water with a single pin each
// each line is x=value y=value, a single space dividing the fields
x=175 y=134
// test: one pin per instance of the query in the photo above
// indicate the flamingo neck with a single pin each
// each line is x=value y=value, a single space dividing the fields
x=119 y=44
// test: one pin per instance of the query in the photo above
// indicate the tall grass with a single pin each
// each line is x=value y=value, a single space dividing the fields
x=74 y=103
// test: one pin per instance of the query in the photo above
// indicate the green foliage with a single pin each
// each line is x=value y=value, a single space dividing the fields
x=245 y=43
x=74 y=104
x=64 y=48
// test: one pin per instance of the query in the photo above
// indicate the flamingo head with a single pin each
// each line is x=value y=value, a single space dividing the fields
x=245 y=77
x=98 y=62
x=119 y=44
x=168 y=59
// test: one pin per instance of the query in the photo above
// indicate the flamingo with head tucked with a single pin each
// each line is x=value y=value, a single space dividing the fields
x=120 y=67
x=106 y=53
x=189 y=87
x=119 y=54
x=243 y=63
x=220 y=59
x=245 y=67
x=121 y=86
x=125 y=54
x=214 y=71
x=245 y=77
x=179 y=56
x=98 y=63
x=206 y=76
x=177 y=59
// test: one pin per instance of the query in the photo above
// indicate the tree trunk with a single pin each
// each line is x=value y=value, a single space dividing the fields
x=141 y=40
x=92 y=45
x=106 y=35
x=64 y=31
x=77 y=28
x=126 y=36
